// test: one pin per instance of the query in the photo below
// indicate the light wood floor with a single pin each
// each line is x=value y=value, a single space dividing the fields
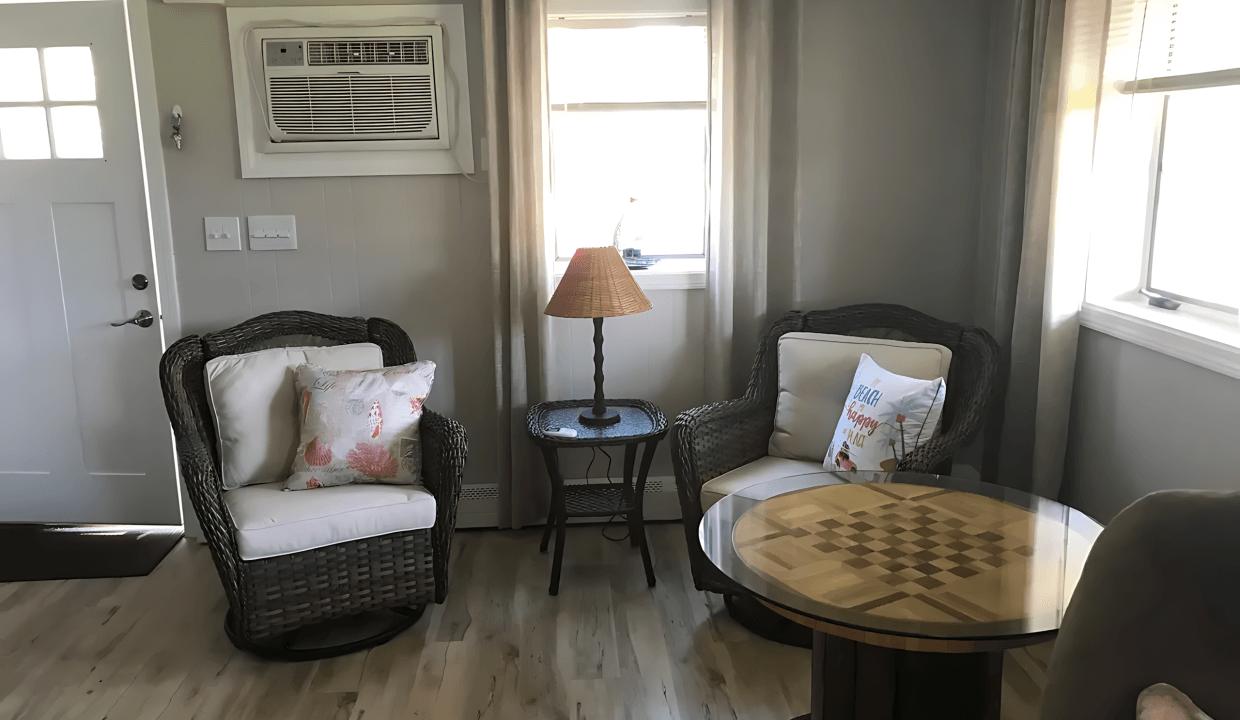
x=500 y=647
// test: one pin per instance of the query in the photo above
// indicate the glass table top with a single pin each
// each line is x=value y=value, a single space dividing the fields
x=903 y=553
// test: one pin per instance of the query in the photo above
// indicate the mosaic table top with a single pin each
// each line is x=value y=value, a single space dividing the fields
x=907 y=554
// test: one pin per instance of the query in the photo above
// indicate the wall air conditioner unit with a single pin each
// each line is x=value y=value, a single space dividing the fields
x=331 y=88
x=351 y=90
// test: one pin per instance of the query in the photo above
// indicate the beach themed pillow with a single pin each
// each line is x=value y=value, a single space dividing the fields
x=360 y=426
x=885 y=417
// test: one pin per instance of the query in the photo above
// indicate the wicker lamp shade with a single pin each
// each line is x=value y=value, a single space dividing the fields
x=597 y=284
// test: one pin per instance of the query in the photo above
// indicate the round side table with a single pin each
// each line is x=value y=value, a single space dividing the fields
x=640 y=422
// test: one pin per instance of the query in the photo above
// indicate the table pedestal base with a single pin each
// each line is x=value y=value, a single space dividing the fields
x=856 y=681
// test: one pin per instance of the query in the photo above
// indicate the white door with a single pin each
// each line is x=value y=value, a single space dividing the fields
x=83 y=432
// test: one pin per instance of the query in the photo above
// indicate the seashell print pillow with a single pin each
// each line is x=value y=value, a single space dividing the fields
x=360 y=426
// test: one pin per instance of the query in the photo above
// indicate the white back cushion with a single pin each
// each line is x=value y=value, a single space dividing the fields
x=815 y=374
x=255 y=406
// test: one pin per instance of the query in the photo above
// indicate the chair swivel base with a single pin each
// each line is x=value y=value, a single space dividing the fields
x=765 y=622
x=328 y=639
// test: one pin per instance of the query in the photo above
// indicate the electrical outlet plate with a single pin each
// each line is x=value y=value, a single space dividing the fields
x=272 y=232
x=222 y=233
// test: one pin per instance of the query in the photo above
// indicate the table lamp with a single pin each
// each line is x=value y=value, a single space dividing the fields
x=597 y=285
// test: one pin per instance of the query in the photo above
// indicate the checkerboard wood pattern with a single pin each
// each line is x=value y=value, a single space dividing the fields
x=907 y=552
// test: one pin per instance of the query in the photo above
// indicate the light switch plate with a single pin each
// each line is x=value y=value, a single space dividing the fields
x=272 y=232
x=223 y=233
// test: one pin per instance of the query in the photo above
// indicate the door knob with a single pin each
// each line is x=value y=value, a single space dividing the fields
x=139 y=281
x=144 y=318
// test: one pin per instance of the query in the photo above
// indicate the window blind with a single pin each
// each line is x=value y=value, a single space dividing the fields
x=1184 y=45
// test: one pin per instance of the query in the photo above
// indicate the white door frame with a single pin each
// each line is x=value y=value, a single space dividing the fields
x=158 y=212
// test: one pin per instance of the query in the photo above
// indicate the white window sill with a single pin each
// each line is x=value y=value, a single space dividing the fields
x=1197 y=335
x=670 y=274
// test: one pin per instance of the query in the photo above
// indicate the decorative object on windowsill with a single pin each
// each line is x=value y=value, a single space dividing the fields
x=629 y=236
x=597 y=285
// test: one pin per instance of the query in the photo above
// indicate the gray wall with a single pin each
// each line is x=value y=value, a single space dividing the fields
x=891 y=112
x=1144 y=421
x=415 y=250
x=890 y=96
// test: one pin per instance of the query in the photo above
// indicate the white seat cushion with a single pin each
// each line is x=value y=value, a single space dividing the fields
x=815 y=374
x=254 y=406
x=270 y=522
x=758 y=471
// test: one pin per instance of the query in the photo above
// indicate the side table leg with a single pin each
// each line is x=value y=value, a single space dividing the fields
x=630 y=457
x=548 y=526
x=552 y=458
x=638 y=501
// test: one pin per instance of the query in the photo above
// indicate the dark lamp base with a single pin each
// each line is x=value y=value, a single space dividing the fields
x=609 y=417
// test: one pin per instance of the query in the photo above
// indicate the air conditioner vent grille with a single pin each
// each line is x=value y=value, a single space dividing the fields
x=412 y=51
x=352 y=104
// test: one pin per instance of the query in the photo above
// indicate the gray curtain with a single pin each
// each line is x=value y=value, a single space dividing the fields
x=755 y=59
x=518 y=120
x=1034 y=228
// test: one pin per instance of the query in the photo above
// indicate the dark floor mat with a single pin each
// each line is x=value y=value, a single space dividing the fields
x=39 y=551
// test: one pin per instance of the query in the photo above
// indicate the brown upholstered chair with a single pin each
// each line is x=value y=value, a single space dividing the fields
x=1156 y=603
x=365 y=590
x=713 y=440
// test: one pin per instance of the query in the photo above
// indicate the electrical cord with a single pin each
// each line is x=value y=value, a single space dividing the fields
x=593 y=456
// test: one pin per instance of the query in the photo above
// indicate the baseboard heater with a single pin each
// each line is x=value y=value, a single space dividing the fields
x=479 y=503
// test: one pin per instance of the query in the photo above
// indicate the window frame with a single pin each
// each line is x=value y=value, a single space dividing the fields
x=592 y=21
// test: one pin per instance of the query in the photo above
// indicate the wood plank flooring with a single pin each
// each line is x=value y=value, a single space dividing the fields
x=153 y=648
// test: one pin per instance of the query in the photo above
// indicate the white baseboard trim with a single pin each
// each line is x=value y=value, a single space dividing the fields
x=479 y=504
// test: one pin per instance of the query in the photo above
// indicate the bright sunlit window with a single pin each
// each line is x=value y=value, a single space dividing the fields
x=629 y=134
x=1189 y=49
x=55 y=85
x=1196 y=223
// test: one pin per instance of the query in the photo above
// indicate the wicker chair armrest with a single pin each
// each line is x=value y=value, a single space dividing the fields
x=930 y=455
x=979 y=371
x=444 y=449
x=180 y=375
x=707 y=442
x=711 y=440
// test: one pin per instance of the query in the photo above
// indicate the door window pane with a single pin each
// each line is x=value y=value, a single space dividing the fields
x=23 y=133
x=70 y=73
x=19 y=75
x=76 y=131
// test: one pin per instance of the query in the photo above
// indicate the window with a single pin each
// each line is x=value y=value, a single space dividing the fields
x=629 y=136
x=1195 y=227
x=48 y=88
x=1188 y=60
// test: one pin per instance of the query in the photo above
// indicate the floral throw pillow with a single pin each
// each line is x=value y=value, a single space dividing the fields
x=360 y=426
x=885 y=417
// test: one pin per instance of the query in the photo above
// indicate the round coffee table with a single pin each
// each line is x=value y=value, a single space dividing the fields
x=913 y=584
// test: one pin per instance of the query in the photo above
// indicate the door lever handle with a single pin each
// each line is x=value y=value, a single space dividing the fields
x=144 y=318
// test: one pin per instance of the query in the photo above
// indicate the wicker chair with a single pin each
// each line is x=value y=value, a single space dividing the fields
x=711 y=440
x=393 y=575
